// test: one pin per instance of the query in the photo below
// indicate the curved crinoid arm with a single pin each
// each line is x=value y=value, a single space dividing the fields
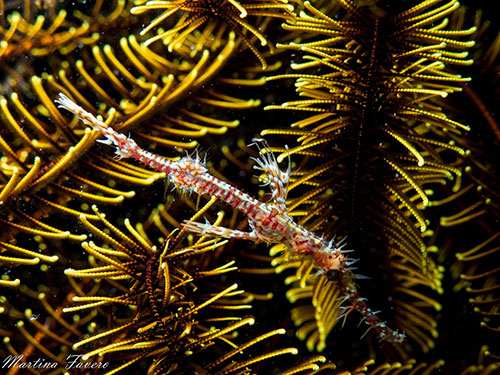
x=216 y=16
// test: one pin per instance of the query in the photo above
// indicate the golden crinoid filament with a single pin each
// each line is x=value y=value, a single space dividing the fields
x=376 y=143
x=215 y=16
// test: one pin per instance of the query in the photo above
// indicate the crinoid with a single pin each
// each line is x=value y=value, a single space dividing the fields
x=375 y=138
x=170 y=313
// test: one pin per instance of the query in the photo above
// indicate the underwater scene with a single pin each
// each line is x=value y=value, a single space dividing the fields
x=240 y=187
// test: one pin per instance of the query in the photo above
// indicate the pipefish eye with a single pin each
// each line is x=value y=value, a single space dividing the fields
x=334 y=275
